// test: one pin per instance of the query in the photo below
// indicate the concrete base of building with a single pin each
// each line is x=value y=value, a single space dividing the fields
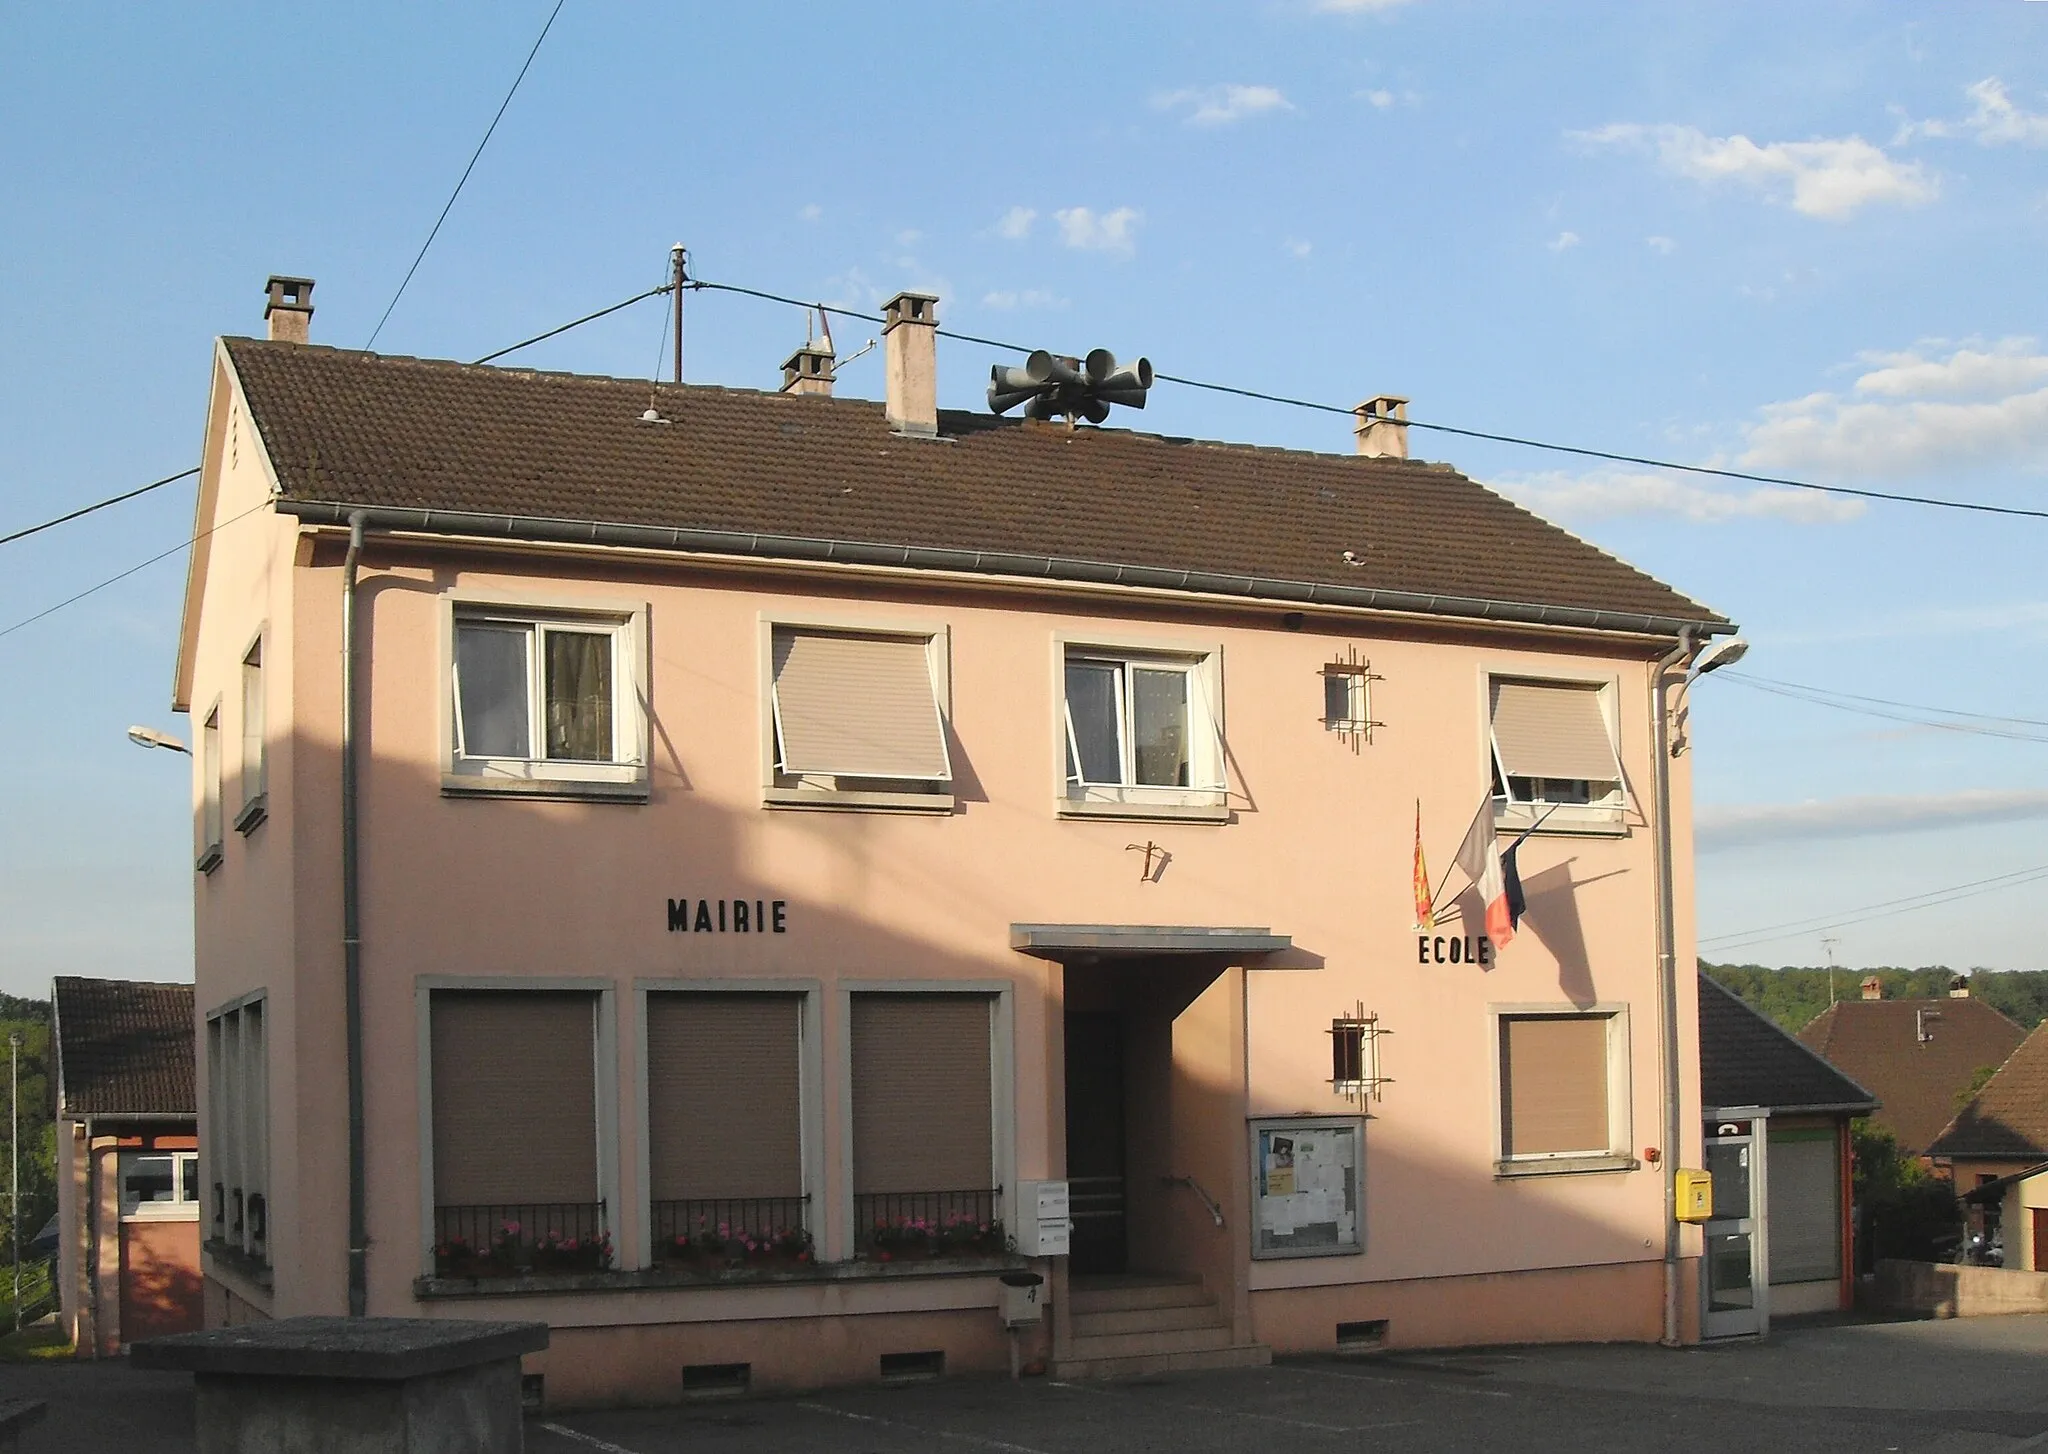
x=1616 y=1303
x=1790 y=1299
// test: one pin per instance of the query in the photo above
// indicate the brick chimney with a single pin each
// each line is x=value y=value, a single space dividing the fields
x=809 y=370
x=289 y=311
x=1959 y=987
x=1382 y=427
x=910 y=326
x=1873 y=987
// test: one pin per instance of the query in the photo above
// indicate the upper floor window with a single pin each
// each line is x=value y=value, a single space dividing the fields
x=209 y=792
x=1141 y=731
x=1554 y=753
x=160 y=1184
x=544 y=702
x=255 y=764
x=857 y=718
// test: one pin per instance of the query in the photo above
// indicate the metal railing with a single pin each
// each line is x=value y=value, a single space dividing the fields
x=500 y=1238
x=1214 y=1209
x=731 y=1229
x=928 y=1223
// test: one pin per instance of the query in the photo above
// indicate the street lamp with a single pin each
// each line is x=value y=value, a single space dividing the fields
x=150 y=737
x=1697 y=664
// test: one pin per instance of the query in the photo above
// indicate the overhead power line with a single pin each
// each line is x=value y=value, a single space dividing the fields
x=2015 y=729
x=1554 y=448
x=449 y=205
x=99 y=505
x=586 y=318
x=1934 y=898
x=116 y=579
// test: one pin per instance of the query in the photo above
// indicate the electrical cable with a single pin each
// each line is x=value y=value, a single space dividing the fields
x=449 y=206
x=586 y=318
x=1571 y=449
x=1886 y=701
x=1899 y=906
x=101 y=505
x=113 y=580
x=1813 y=696
x=1813 y=921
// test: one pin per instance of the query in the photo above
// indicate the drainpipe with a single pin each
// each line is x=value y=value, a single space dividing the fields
x=1667 y=973
x=351 y=933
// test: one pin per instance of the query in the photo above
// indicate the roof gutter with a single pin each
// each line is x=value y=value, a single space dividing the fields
x=526 y=528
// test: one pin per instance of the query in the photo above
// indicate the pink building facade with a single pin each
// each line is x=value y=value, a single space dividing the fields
x=815 y=857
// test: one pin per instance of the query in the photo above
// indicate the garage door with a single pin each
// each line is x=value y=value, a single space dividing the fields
x=1805 y=1213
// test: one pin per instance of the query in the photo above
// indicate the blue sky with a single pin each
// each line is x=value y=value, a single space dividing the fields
x=1800 y=240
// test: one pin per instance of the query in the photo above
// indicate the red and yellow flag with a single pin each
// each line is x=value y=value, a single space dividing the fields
x=1425 y=907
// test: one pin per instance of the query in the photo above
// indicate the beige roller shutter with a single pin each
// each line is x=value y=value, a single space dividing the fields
x=1804 y=1188
x=1552 y=730
x=857 y=706
x=1553 y=1077
x=515 y=1097
x=724 y=1116
x=921 y=1107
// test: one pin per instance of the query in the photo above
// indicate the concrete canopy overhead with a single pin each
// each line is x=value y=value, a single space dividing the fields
x=1088 y=943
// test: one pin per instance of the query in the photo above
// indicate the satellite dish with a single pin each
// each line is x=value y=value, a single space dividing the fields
x=1049 y=385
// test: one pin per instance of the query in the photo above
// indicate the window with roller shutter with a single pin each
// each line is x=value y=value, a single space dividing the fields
x=1559 y=1085
x=857 y=713
x=1553 y=749
x=923 y=1120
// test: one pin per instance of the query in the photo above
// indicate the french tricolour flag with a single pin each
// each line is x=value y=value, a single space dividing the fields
x=1500 y=887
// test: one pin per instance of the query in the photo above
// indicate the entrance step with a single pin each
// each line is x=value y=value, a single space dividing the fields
x=1163 y=1340
x=1147 y=1320
x=1242 y=1355
x=1128 y=1292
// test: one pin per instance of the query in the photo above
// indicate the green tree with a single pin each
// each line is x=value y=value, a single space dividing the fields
x=35 y=1111
x=1904 y=1210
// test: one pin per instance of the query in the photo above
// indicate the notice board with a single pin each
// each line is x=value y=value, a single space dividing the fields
x=1308 y=1184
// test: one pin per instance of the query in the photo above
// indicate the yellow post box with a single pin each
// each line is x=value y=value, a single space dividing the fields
x=1695 y=1194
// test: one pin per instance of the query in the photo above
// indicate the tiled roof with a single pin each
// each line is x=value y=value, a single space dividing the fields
x=2009 y=1116
x=1745 y=1060
x=124 y=1048
x=1878 y=1042
x=409 y=434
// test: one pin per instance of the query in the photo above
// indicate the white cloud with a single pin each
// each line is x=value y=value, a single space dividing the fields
x=1380 y=99
x=1994 y=119
x=1008 y=299
x=1610 y=493
x=909 y=237
x=1297 y=247
x=810 y=213
x=1221 y=105
x=1830 y=177
x=1746 y=825
x=1937 y=404
x=1663 y=245
x=1016 y=223
x=1563 y=241
x=1090 y=231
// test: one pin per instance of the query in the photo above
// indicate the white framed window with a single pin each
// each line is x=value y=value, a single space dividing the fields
x=163 y=1185
x=1554 y=755
x=1346 y=707
x=856 y=717
x=1142 y=732
x=1562 y=1079
x=209 y=792
x=547 y=702
x=255 y=755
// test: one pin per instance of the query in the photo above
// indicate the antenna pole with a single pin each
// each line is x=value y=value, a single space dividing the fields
x=1828 y=942
x=678 y=258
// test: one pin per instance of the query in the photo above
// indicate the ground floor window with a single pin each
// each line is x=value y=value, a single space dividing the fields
x=924 y=1177
x=238 y=1129
x=515 y=1134
x=725 y=1136
x=1563 y=1080
x=159 y=1183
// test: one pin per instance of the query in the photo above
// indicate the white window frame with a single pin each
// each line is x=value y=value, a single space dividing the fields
x=1206 y=798
x=617 y=1218
x=211 y=832
x=1606 y=817
x=819 y=790
x=1002 y=1069
x=626 y=775
x=255 y=768
x=1619 y=1155
x=175 y=1210
x=810 y=1066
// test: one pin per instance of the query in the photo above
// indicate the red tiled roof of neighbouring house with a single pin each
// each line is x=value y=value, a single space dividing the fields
x=1881 y=1044
x=787 y=475
x=1745 y=1060
x=2009 y=1116
x=124 y=1047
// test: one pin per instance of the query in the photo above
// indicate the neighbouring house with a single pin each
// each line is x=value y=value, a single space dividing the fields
x=1777 y=1139
x=127 y=1161
x=2002 y=1130
x=2015 y=1207
x=1918 y=1057
x=793 y=860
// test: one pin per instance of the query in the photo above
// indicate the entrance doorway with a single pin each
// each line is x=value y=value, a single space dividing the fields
x=1095 y=1142
x=1732 y=1272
